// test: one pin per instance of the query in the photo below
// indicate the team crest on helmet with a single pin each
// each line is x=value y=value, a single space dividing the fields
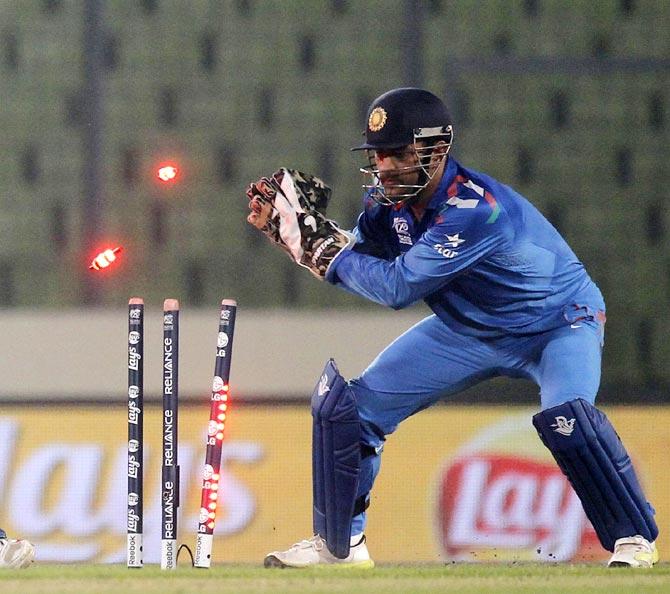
x=377 y=119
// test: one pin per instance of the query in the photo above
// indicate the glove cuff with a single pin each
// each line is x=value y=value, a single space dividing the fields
x=331 y=271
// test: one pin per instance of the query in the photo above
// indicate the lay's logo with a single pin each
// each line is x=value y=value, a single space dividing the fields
x=498 y=504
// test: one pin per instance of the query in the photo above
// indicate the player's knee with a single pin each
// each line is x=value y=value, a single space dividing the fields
x=552 y=400
x=372 y=435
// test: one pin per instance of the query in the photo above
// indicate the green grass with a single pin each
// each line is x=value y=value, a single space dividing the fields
x=464 y=578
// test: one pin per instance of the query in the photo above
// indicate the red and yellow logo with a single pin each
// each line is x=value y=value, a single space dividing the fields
x=377 y=119
x=503 y=498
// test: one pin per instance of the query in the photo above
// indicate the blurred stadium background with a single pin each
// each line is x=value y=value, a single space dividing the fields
x=566 y=100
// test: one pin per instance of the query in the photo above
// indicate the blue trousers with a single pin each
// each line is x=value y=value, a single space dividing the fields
x=431 y=362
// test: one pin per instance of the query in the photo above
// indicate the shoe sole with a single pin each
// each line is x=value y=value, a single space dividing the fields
x=622 y=564
x=271 y=562
x=646 y=561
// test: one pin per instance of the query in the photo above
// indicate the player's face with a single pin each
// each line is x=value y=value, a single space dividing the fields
x=397 y=169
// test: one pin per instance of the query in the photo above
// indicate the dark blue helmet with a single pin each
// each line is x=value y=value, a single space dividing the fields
x=401 y=116
x=406 y=117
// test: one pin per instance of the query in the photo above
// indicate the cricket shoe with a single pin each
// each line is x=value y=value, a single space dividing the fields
x=16 y=554
x=314 y=553
x=634 y=551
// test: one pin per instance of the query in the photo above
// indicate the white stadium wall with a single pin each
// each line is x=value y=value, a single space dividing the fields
x=80 y=354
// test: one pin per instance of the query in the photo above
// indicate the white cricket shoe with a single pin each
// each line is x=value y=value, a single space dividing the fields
x=634 y=551
x=315 y=553
x=16 y=554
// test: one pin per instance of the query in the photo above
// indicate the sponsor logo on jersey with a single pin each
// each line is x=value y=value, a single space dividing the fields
x=454 y=240
x=445 y=251
x=401 y=227
x=446 y=247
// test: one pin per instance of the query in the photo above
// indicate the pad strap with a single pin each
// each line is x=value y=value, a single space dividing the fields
x=361 y=504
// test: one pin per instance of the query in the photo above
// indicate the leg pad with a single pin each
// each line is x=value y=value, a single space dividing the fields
x=592 y=457
x=336 y=459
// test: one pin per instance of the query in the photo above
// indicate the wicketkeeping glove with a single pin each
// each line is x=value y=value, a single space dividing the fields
x=288 y=208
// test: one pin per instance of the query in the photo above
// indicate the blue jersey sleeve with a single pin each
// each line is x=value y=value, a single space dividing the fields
x=371 y=233
x=461 y=239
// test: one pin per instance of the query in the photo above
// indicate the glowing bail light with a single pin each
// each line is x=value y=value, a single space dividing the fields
x=104 y=258
x=167 y=173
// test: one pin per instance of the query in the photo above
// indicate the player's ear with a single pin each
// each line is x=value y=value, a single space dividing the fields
x=441 y=147
x=438 y=152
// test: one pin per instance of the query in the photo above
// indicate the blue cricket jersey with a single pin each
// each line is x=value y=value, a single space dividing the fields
x=482 y=257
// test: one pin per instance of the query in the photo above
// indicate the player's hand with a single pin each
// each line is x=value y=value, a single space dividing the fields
x=260 y=194
x=311 y=191
x=288 y=208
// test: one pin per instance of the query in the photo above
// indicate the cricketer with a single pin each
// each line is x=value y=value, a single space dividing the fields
x=508 y=297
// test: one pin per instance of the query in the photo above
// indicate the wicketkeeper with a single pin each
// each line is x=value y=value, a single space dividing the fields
x=509 y=297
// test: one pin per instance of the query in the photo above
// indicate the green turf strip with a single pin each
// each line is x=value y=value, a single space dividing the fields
x=390 y=579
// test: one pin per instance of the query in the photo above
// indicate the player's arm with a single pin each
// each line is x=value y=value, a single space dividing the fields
x=371 y=232
x=442 y=253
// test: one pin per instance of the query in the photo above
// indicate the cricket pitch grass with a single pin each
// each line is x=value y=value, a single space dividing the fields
x=385 y=579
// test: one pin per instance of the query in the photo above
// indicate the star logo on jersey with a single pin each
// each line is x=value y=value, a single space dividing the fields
x=454 y=240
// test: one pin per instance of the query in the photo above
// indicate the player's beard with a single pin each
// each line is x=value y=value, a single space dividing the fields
x=395 y=185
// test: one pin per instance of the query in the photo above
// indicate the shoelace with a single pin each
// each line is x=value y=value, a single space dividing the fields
x=639 y=548
x=316 y=543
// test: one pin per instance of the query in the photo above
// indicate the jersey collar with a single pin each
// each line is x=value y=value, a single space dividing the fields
x=448 y=177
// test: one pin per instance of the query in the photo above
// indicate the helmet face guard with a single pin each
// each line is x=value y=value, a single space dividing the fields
x=405 y=118
x=424 y=153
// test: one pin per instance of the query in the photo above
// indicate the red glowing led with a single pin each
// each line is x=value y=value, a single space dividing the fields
x=167 y=173
x=104 y=258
